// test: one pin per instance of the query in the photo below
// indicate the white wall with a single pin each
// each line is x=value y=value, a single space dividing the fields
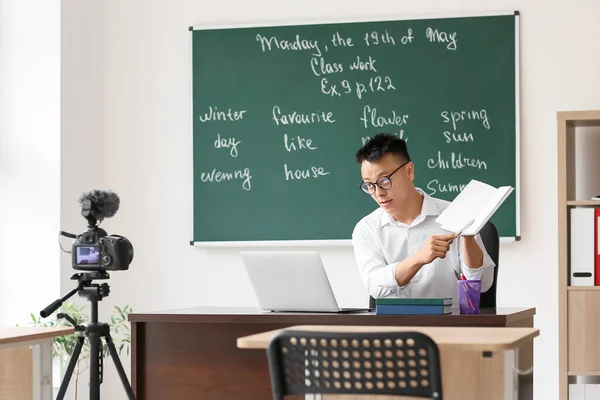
x=29 y=157
x=144 y=119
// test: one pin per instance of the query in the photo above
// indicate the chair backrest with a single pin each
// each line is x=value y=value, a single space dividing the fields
x=491 y=241
x=392 y=363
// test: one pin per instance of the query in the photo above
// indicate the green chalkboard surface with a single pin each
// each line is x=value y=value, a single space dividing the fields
x=279 y=112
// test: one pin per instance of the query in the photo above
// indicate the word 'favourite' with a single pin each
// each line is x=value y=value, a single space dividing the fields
x=294 y=117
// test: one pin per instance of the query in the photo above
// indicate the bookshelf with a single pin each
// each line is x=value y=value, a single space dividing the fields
x=579 y=348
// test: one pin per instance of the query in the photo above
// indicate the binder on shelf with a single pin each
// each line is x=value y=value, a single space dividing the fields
x=597 y=246
x=577 y=391
x=592 y=391
x=583 y=250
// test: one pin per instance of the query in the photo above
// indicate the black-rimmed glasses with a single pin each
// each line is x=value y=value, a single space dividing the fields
x=385 y=182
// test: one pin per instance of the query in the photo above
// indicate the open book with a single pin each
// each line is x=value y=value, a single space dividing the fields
x=477 y=202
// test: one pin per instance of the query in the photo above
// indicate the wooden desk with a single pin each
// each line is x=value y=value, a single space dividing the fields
x=192 y=353
x=26 y=362
x=461 y=356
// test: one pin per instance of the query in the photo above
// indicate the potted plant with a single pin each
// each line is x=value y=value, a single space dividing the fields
x=63 y=346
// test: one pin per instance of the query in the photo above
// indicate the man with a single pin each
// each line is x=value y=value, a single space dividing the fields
x=400 y=244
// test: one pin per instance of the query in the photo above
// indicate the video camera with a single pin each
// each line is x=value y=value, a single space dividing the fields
x=95 y=250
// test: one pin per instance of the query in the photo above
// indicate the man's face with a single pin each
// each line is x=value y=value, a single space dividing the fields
x=393 y=198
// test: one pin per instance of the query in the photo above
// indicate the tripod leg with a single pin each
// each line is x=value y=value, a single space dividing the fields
x=65 y=383
x=113 y=353
x=94 y=339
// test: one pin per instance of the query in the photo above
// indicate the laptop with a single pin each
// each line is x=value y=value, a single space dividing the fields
x=291 y=281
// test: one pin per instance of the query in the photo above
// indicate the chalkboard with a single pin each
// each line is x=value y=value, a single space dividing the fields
x=279 y=112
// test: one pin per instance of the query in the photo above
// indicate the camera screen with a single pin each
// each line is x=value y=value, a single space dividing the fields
x=88 y=255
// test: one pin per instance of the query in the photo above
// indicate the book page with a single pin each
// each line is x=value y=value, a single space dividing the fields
x=466 y=206
x=488 y=210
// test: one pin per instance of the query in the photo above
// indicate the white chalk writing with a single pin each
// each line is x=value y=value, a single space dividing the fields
x=373 y=84
x=400 y=134
x=227 y=143
x=360 y=65
x=321 y=67
x=312 y=172
x=458 y=137
x=294 y=117
x=434 y=186
x=220 y=176
x=370 y=118
x=374 y=38
x=298 y=44
x=297 y=143
x=466 y=115
x=442 y=37
x=338 y=40
x=455 y=162
x=214 y=114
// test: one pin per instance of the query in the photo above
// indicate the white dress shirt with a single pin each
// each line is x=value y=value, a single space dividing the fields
x=380 y=243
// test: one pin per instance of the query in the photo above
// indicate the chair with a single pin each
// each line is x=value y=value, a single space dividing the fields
x=491 y=241
x=376 y=363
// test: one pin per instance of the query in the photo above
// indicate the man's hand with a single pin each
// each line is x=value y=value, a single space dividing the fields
x=436 y=247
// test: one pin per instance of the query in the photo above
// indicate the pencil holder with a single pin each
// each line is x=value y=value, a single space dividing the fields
x=469 y=294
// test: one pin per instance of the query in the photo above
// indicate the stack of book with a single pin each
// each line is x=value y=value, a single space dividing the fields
x=413 y=306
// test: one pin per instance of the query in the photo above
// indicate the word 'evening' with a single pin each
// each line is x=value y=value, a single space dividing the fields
x=295 y=117
x=298 y=44
x=220 y=176
x=214 y=114
x=455 y=162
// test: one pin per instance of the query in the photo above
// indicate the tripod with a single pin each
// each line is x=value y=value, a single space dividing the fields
x=94 y=331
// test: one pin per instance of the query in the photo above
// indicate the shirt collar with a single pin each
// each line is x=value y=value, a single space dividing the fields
x=429 y=207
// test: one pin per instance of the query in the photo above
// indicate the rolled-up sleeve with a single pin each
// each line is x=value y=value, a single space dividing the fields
x=370 y=260
x=485 y=273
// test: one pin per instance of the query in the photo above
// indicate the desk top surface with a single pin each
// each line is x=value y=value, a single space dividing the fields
x=13 y=335
x=468 y=338
x=487 y=317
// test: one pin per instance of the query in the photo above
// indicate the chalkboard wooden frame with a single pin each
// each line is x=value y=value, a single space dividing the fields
x=347 y=242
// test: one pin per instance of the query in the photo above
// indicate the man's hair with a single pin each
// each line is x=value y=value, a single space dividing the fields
x=381 y=144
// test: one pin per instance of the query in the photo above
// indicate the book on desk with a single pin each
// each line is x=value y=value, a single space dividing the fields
x=413 y=306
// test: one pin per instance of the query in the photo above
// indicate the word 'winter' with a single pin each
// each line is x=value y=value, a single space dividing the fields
x=457 y=116
x=281 y=118
x=214 y=114
x=227 y=143
x=456 y=162
x=220 y=176
x=434 y=186
x=299 y=44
